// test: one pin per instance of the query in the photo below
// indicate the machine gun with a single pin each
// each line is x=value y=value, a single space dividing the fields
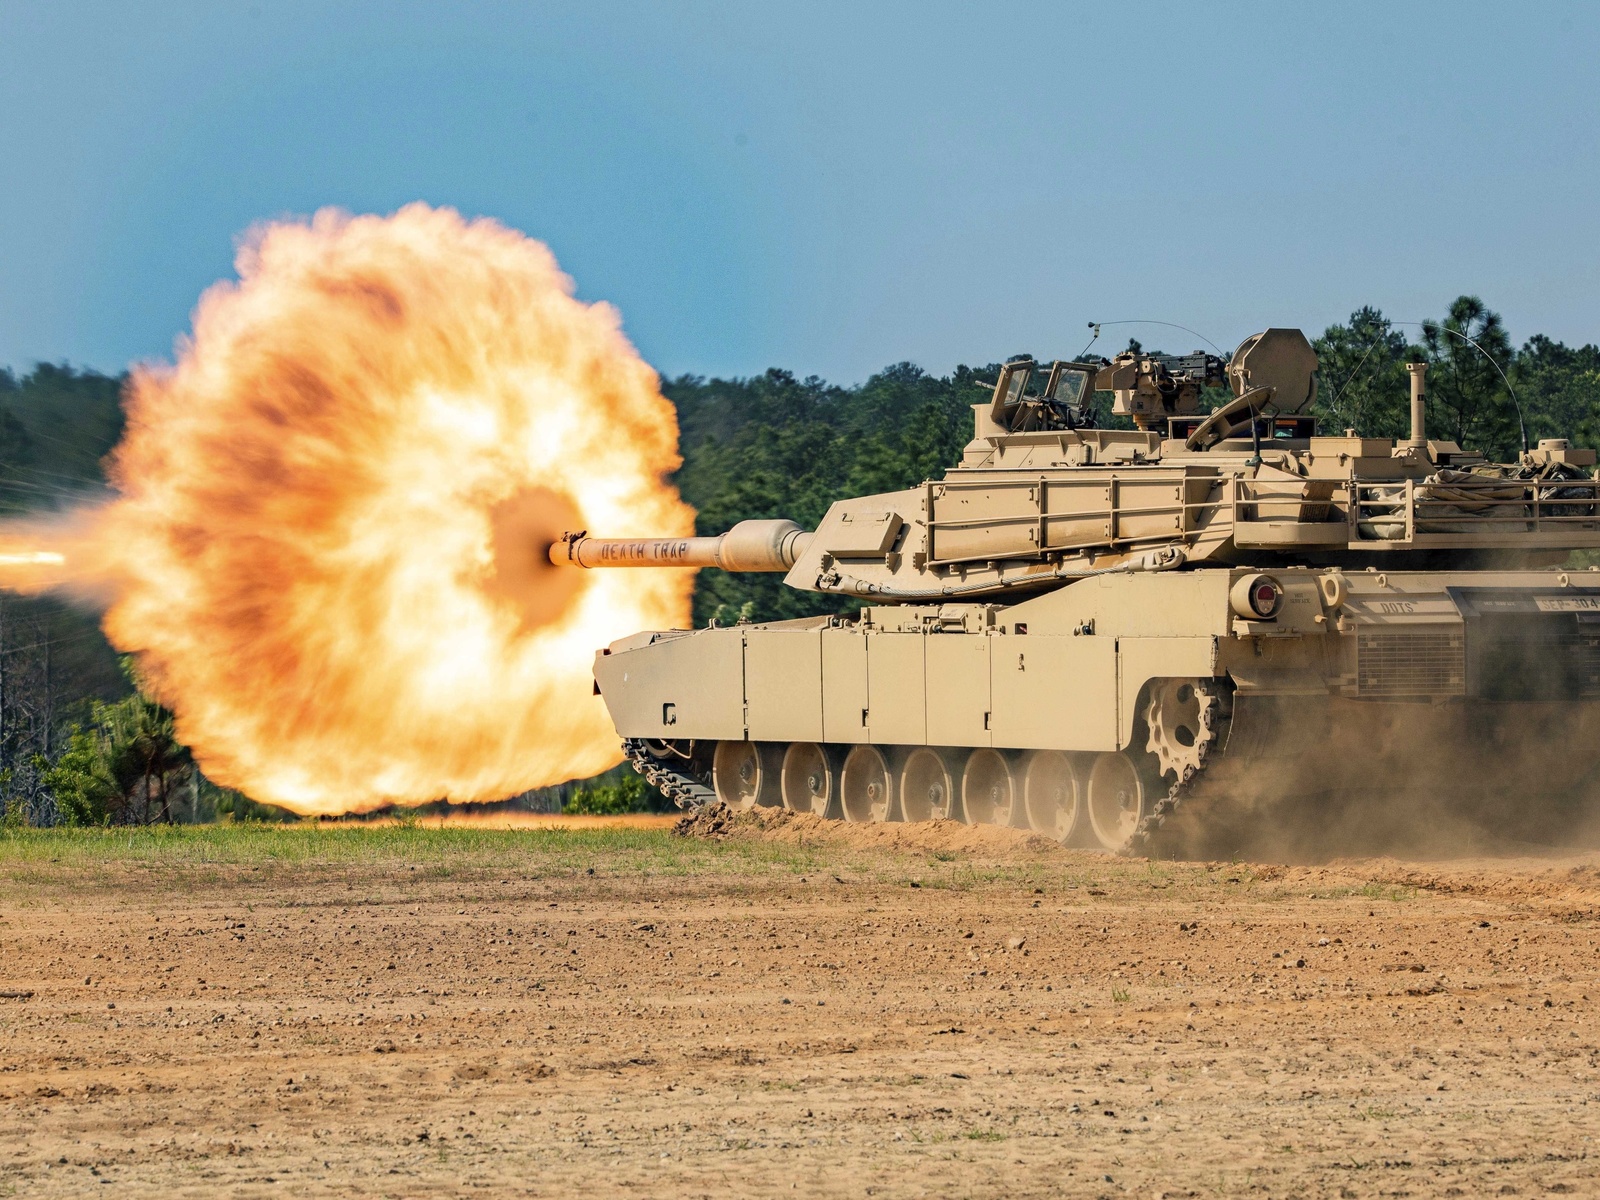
x=1151 y=388
x=1155 y=389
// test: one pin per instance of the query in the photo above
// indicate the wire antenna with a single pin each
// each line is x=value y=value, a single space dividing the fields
x=1349 y=379
x=1095 y=325
x=1522 y=427
x=1092 y=340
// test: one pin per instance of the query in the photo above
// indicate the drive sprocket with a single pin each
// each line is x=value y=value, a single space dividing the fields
x=1210 y=706
x=1182 y=717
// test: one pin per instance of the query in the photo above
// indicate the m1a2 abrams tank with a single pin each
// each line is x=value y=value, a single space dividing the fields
x=1107 y=635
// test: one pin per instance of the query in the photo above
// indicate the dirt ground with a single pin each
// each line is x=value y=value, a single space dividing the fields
x=793 y=1010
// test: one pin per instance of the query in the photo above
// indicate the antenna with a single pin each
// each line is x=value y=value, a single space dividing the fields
x=1095 y=325
x=1522 y=428
x=1092 y=340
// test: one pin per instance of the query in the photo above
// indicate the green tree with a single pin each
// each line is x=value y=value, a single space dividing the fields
x=1467 y=399
x=776 y=446
x=17 y=459
x=79 y=780
x=216 y=802
x=1560 y=390
x=145 y=758
x=74 y=416
x=126 y=768
x=1361 y=377
x=56 y=426
x=628 y=794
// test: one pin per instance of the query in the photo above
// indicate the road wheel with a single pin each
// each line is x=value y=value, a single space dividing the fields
x=811 y=779
x=745 y=774
x=1117 y=799
x=926 y=786
x=988 y=788
x=1051 y=792
x=866 y=786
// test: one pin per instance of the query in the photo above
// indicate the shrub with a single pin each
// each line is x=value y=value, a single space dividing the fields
x=627 y=795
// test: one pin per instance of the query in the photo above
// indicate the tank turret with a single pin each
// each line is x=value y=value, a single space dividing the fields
x=1042 y=496
x=1079 y=628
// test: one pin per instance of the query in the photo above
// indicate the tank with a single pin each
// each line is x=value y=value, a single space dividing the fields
x=1119 y=636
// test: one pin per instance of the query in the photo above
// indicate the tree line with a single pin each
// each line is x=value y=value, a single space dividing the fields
x=1483 y=392
x=80 y=742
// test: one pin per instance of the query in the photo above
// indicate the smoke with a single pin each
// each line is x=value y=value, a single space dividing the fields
x=325 y=541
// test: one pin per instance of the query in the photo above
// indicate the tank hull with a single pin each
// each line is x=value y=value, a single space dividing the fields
x=1101 y=711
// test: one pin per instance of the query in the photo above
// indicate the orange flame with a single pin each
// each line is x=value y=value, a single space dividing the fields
x=326 y=543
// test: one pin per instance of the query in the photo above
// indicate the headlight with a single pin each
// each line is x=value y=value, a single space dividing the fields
x=1256 y=597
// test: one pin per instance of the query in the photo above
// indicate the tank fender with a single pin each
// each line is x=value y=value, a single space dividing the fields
x=1168 y=604
x=675 y=685
x=1139 y=660
x=635 y=640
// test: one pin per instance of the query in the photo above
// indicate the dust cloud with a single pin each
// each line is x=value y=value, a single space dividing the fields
x=1309 y=779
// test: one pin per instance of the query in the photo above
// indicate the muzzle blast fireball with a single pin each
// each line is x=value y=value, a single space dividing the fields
x=327 y=540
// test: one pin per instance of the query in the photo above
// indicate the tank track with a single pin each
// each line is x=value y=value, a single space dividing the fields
x=1216 y=720
x=682 y=788
x=688 y=793
x=1143 y=840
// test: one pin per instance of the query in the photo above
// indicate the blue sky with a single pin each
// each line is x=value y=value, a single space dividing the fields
x=823 y=187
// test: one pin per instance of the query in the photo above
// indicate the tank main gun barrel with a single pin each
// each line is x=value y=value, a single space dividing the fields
x=748 y=546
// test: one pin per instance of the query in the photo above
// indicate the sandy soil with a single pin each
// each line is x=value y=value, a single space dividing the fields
x=895 y=1012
